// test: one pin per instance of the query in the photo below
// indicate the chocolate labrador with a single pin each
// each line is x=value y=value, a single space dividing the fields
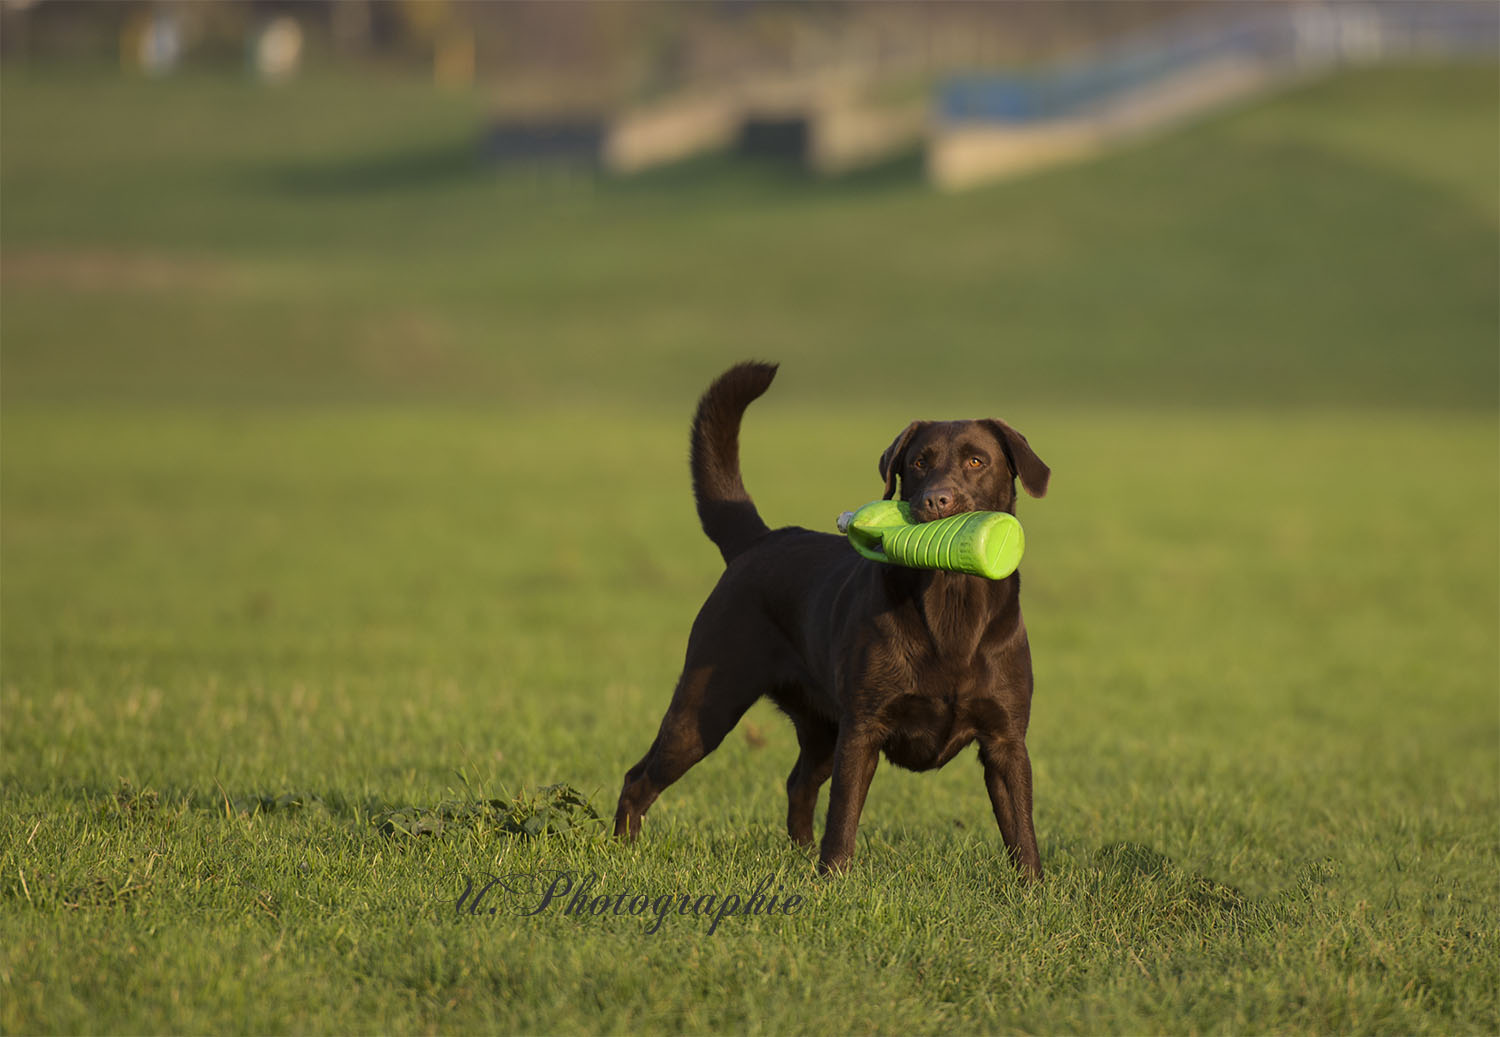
x=863 y=657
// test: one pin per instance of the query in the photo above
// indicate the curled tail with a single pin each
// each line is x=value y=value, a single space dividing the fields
x=724 y=506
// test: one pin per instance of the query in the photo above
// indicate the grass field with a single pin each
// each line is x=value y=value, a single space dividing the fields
x=344 y=496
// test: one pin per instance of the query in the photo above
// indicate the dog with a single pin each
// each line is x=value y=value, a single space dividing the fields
x=865 y=658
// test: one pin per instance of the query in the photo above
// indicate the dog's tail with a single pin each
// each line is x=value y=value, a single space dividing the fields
x=724 y=506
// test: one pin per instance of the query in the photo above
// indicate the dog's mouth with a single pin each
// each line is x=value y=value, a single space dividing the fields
x=931 y=513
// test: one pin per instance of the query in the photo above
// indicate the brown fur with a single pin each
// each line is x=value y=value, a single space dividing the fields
x=864 y=658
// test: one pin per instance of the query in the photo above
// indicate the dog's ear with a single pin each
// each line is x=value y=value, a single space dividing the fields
x=894 y=457
x=1033 y=474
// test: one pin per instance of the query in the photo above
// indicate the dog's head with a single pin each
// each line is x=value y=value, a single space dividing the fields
x=943 y=468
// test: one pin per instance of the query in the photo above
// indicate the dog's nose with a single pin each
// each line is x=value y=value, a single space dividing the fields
x=937 y=501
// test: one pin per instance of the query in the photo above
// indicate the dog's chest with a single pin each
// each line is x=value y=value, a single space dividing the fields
x=926 y=731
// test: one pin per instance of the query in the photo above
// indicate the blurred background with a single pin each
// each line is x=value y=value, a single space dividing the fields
x=365 y=200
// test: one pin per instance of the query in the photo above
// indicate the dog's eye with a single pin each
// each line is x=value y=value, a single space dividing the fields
x=919 y=464
x=976 y=462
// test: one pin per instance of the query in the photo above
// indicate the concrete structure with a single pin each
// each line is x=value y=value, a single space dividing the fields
x=991 y=127
x=670 y=131
x=965 y=154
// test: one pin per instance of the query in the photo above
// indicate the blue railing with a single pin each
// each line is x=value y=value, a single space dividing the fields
x=1280 y=36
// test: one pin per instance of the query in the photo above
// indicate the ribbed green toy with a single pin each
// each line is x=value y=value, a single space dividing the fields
x=982 y=543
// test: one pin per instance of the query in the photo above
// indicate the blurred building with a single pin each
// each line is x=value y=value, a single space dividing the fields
x=984 y=89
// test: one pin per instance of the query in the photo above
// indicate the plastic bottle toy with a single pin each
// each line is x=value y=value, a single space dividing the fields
x=983 y=543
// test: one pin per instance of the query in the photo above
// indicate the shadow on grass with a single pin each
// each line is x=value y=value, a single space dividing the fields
x=445 y=164
x=433 y=167
x=724 y=174
x=1120 y=866
x=557 y=809
x=1134 y=880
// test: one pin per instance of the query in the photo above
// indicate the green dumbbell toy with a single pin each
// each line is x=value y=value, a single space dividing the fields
x=984 y=543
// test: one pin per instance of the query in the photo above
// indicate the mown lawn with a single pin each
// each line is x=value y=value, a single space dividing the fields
x=343 y=484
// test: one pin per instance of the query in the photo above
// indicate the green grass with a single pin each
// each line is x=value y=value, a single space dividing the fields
x=341 y=243
x=308 y=518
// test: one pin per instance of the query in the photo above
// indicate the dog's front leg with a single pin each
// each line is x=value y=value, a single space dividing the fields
x=1007 y=776
x=854 y=758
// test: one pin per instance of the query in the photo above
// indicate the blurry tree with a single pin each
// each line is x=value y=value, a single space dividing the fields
x=605 y=51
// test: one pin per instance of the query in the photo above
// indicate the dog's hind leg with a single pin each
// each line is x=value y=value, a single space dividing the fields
x=709 y=700
x=855 y=755
x=817 y=738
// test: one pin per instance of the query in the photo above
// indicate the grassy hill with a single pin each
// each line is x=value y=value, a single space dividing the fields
x=343 y=497
x=212 y=242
